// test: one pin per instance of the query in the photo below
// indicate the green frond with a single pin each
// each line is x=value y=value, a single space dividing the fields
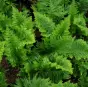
x=62 y=63
x=55 y=75
x=35 y=82
x=44 y=23
x=83 y=5
x=80 y=22
x=2 y=44
x=41 y=82
x=73 y=10
x=66 y=84
x=4 y=21
x=80 y=49
x=61 y=40
x=23 y=27
x=2 y=80
x=58 y=63
x=5 y=7
x=53 y=8
x=62 y=29
x=83 y=80
x=13 y=50
x=84 y=64
x=69 y=47
x=72 y=48
x=52 y=66
x=18 y=34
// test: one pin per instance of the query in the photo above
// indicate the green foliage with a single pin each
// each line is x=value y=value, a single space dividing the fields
x=44 y=23
x=83 y=5
x=66 y=84
x=60 y=55
x=73 y=10
x=6 y=7
x=80 y=22
x=40 y=82
x=35 y=82
x=53 y=8
x=18 y=34
x=60 y=40
x=1 y=50
x=83 y=81
x=2 y=80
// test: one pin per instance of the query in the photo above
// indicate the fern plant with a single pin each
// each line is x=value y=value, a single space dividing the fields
x=55 y=57
x=2 y=80
x=56 y=9
x=39 y=82
x=18 y=35
x=60 y=39
x=14 y=38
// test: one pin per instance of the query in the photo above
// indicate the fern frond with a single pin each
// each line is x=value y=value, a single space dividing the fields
x=80 y=22
x=62 y=29
x=35 y=82
x=18 y=34
x=2 y=80
x=2 y=44
x=83 y=80
x=41 y=82
x=52 y=8
x=62 y=63
x=83 y=5
x=66 y=84
x=4 y=21
x=69 y=47
x=5 y=7
x=44 y=23
x=60 y=39
x=73 y=10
